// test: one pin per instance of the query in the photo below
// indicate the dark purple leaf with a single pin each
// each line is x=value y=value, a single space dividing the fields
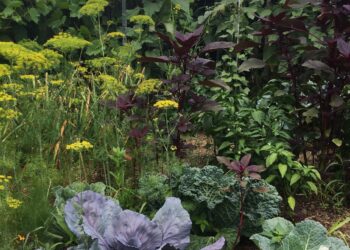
x=125 y=102
x=317 y=65
x=138 y=133
x=215 y=83
x=224 y=160
x=255 y=176
x=217 y=45
x=343 y=47
x=256 y=168
x=161 y=59
x=188 y=40
x=245 y=160
x=244 y=44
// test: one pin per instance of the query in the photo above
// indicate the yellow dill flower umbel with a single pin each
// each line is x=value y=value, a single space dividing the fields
x=4 y=97
x=13 y=203
x=66 y=42
x=56 y=82
x=176 y=8
x=27 y=77
x=142 y=19
x=8 y=114
x=148 y=86
x=79 y=146
x=93 y=7
x=4 y=70
x=164 y=104
x=116 y=34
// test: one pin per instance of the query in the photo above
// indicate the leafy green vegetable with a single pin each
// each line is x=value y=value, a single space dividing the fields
x=281 y=234
x=218 y=196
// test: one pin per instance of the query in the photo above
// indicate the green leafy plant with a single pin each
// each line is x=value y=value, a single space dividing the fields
x=215 y=198
x=279 y=234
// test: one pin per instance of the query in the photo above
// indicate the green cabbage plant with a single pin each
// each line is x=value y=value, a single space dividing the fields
x=280 y=234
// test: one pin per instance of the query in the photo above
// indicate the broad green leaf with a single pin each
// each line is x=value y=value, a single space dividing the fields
x=34 y=15
x=337 y=142
x=309 y=114
x=258 y=116
x=336 y=101
x=271 y=159
x=291 y=202
x=312 y=186
x=307 y=235
x=295 y=178
x=283 y=169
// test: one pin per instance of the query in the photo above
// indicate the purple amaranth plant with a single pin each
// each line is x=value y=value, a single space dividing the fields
x=188 y=59
x=242 y=167
x=243 y=171
x=111 y=228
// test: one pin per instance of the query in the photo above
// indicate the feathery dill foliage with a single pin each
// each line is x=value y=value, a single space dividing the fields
x=164 y=104
x=111 y=87
x=54 y=58
x=101 y=62
x=4 y=70
x=148 y=86
x=142 y=19
x=66 y=42
x=93 y=7
x=23 y=58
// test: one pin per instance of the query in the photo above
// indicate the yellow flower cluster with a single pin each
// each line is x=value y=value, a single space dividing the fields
x=54 y=58
x=21 y=57
x=4 y=70
x=148 y=86
x=8 y=114
x=27 y=77
x=93 y=7
x=177 y=8
x=66 y=42
x=101 y=62
x=142 y=19
x=13 y=203
x=6 y=179
x=79 y=146
x=56 y=82
x=139 y=76
x=41 y=92
x=164 y=104
x=129 y=70
x=111 y=85
x=4 y=97
x=11 y=87
x=116 y=34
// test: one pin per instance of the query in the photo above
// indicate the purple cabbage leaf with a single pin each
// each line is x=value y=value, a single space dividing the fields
x=111 y=228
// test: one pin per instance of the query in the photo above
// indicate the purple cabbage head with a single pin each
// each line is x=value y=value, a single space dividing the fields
x=111 y=228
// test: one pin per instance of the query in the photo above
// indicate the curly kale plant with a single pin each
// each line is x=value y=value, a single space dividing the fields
x=111 y=228
x=280 y=234
x=218 y=194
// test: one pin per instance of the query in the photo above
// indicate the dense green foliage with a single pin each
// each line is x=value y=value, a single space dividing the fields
x=141 y=100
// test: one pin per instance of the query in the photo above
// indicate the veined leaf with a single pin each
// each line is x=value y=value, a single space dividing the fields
x=283 y=169
x=291 y=202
